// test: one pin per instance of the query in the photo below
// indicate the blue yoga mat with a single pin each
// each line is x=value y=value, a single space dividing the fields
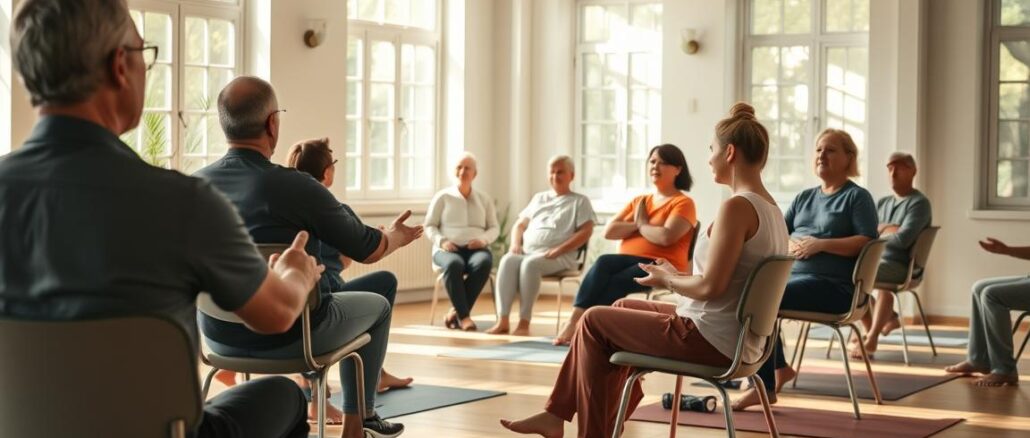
x=535 y=350
x=916 y=336
x=420 y=398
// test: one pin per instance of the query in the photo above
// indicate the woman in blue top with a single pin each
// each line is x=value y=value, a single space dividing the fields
x=828 y=224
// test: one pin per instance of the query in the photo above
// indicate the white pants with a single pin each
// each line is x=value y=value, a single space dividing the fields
x=520 y=274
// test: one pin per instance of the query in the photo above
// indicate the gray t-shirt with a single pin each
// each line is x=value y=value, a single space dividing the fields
x=89 y=230
x=911 y=214
x=554 y=219
x=847 y=212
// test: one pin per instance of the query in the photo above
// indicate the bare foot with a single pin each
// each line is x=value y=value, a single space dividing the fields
x=522 y=329
x=389 y=381
x=565 y=336
x=333 y=415
x=893 y=324
x=871 y=345
x=468 y=325
x=750 y=398
x=966 y=368
x=501 y=328
x=994 y=380
x=226 y=377
x=451 y=320
x=543 y=424
x=783 y=376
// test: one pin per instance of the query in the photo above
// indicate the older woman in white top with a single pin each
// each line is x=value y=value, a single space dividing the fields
x=544 y=241
x=462 y=222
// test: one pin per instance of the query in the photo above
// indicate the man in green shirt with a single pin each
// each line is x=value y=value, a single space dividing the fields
x=902 y=216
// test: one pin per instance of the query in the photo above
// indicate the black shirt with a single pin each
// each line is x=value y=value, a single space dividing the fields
x=90 y=230
x=276 y=202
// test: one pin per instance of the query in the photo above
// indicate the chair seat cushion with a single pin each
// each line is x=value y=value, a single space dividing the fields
x=284 y=366
x=664 y=365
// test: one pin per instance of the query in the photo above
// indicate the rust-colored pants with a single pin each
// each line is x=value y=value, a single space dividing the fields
x=591 y=386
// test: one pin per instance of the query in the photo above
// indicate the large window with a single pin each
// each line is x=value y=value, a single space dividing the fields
x=618 y=94
x=1008 y=104
x=198 y=54
x=392 y=98
x=806 y=69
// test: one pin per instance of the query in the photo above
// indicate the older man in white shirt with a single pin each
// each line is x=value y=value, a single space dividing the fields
x=545 y=238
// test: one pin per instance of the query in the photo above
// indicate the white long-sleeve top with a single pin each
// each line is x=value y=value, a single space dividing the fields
x=454 y=218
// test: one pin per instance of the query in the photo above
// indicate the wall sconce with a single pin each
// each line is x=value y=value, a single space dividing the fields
x=315 y=35
x=690 y=44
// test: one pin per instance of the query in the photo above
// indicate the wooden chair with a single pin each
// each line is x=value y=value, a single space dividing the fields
x=918 y=256
x=571 y=275
x=62 y=379
x=307 y=362
x=863 y=277
x=756 y=314
x=1015 y=328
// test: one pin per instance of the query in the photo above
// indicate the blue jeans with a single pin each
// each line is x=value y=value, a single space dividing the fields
x=270 y=407
x=990 y=325
x=611 y=279
x=807 y=293
x=465 y=272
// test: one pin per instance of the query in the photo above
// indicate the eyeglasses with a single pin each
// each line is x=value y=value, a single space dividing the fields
x=280 y=110
x=149 y=54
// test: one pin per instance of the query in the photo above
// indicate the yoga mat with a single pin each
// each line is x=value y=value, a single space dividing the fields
x=916 y=336
x=893 y=386
x=941 y=360
x=535 y=350
x=420 y=398
x=806 y=422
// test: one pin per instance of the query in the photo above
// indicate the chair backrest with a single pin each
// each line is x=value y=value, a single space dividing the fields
x=208 y=307
x=67 y=378
x=864 y=277
x=920 y=251
x=693 y=242
x=581 y=257
x=758 y=309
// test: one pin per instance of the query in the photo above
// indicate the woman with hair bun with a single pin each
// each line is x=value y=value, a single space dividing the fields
x=702 y=326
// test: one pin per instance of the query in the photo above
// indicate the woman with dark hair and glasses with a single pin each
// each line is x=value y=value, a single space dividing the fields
x=654 y=226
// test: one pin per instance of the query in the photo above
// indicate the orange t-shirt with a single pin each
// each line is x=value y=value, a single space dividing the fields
x=637 y=245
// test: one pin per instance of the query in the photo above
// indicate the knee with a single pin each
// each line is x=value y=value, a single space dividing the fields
x=483 y=260
x=991 y=295
x=621 y=303
x=453 y=266
x=980 y=286
x=280 y=388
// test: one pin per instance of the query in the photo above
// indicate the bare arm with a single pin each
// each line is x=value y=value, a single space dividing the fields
x=517 y=230
x=397 y=235
x=284 y=291
x=998 y=247
x=580 y=237
x=736 y=220
x=667 y=234
x=619 y=229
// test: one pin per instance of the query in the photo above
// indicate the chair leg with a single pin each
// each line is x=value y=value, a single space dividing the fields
x=320 y=383
x=207 y=383
x=436 y=295
x=756 y=382
x=926 y=325
x=904 y=333
x=869 y=371
x=674 y=422
x=627 y=389
x=847 y=371
x=801 y=355
x=797 y=343
x=1019 y=320
x=1023 y=346
x=246 y=377
x=359 y=378
x=557 y=319
x=727 y=412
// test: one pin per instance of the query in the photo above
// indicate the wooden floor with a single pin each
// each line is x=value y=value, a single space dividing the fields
x=413 y=349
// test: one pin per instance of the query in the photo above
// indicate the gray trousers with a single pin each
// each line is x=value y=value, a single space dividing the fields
x=519 y=274
x=350 y=314
x=990 y=325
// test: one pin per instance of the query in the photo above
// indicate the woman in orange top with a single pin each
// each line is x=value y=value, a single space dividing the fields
x=653 y=226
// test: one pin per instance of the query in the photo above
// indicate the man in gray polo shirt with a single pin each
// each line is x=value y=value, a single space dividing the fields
x=89 y=230
x=902 y=215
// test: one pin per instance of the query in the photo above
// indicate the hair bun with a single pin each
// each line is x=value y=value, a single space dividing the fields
x=741 y=110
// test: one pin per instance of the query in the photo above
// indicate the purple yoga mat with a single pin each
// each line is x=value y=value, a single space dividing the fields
x=806 y=422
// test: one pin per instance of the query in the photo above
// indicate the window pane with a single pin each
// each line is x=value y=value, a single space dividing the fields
x=353 y=136
x=398 y=11
x=216 y=144
x=380 y=173
x=792 y=175
x=1012 y=65
x=369 y=9
x=640 y=140
x=765 y=101
x=156 y=141
x=424 y=103
x=791 y=136
x=221 y=43
x=1012 y=178
x=636 y=173
x=354 y=53
x=425 y=140
x=196 y=130
x=353 y=98
x=797 y=16
x=599 y=172
x=425 y=64
x=592 y=70
x=794 y=64
x=1015 y=12
x=765 y=16
x=196 y=40
x=188 y=165
x=351 y=168
x=380 y=136
x=599 y=139
x=407 y=63
x=1013 y=139
x=157 y=30
x=642 y=71
x=764 y=65
x=595 y=27
x=381 y=100
x=159 y=88
x=195 y=88
x=383 y=61
x=217 y=79
x=794 y=102
x=599 y=105
x=423 y=14
x=1013 y=101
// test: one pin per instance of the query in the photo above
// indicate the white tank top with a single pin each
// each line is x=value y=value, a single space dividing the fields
x=717 y=319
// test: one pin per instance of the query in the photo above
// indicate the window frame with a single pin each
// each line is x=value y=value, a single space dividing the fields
x=399 y=36
x=818 y=41
x=994 y=36
x=611 y=194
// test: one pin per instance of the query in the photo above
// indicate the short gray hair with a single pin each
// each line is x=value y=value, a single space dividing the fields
x=902 y=157
x=244 y=106
x=567 y=160
x=62 y=48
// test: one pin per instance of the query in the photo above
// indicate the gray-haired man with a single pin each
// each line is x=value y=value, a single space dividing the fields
x=89 y=230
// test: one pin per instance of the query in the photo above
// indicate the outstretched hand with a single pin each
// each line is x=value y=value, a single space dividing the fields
x=656 y=276
x=996 y=246
x=407 y=233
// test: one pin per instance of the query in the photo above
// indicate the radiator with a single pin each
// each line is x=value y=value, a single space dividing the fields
x=412 y=265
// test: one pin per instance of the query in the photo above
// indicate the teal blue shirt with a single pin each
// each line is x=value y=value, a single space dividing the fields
x=848 y=212
x=911 y=214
